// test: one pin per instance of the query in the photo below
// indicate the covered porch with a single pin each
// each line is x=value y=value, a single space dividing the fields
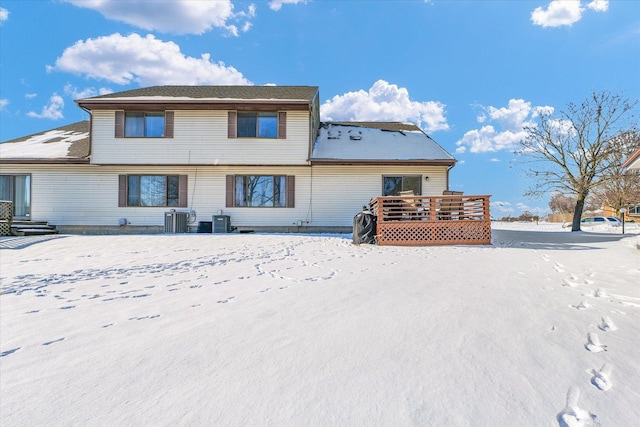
x=432 y=220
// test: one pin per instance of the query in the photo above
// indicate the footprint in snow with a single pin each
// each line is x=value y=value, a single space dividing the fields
x=224 y=301
x=607 y=325
x=569 y=283
x=8 y=352
x=600 y=293
x=593 y=343
x=582 y=306
x=574 y=416
x=54 y=341
x=601 y=378
x=558 y=267
x=145 y=317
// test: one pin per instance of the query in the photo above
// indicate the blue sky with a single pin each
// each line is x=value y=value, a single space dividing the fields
x=470 y=73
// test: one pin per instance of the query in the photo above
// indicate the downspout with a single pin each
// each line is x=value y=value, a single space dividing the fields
x=449 y=169
x=90 y=129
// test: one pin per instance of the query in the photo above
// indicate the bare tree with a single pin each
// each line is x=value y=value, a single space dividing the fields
x=571 y=152
x=620 y=187
x=559 y=203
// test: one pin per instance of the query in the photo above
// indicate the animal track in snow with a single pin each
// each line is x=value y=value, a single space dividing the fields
x=607 y=325
x=224 y=301
x=593 y=343
x=54 y=341
x=601 y=378
x=574 y=416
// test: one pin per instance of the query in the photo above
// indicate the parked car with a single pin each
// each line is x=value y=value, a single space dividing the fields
x=600 y=220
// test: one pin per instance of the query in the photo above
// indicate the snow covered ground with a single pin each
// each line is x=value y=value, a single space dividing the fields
x=542 y=328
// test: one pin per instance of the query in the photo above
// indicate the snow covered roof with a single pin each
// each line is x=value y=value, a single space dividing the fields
x=66 y=144
x=340 y=142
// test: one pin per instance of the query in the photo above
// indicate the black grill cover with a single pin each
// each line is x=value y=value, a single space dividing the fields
x=364 y=228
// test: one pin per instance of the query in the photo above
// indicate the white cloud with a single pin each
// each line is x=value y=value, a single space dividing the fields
x=501 y=207
x=176 y=16
x=30 y=95
x=4 y=15
x=145 y=60
x=51 y=111
x=599 y=5
x=385 y=102
x=3 y=103
x=277 y=4
x=494 y=160
x=76 y=93
x=511 y=121
x=565 y=12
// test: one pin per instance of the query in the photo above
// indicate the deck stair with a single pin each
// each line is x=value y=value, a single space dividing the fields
x=32 y=228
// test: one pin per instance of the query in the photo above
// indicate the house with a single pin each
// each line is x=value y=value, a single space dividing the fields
x=257 y=155
x=633 y=163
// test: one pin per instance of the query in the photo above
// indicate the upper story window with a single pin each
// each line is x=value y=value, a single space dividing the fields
x=130 y=124
x=257 y=124
x=148 y=125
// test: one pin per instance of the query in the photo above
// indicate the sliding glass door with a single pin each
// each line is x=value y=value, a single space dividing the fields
x=17 y=188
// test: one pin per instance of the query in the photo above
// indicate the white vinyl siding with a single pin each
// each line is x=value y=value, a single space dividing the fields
x=340 y=192
x=200 y=137
x=88 y=195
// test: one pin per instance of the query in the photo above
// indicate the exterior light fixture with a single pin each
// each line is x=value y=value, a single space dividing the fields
x=623 y=211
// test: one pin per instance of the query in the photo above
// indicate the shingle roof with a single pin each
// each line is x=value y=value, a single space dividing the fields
x=300 y=93
x=69 y=143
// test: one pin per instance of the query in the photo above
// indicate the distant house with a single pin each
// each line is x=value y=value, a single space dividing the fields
x=633 y=163
x=258 y=155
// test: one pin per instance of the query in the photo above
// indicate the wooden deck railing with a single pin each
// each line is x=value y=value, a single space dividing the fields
x=432 y=220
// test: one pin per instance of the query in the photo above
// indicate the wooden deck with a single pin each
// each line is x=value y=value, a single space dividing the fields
x=432 y=220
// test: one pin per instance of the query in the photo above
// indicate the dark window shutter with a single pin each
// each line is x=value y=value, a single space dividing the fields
x=168 y=124
x=182 y=191
x=291 y=191
x=122 y=191
x=119 y=124
x=230 y=191
x=282 y=125
x=232 y=131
